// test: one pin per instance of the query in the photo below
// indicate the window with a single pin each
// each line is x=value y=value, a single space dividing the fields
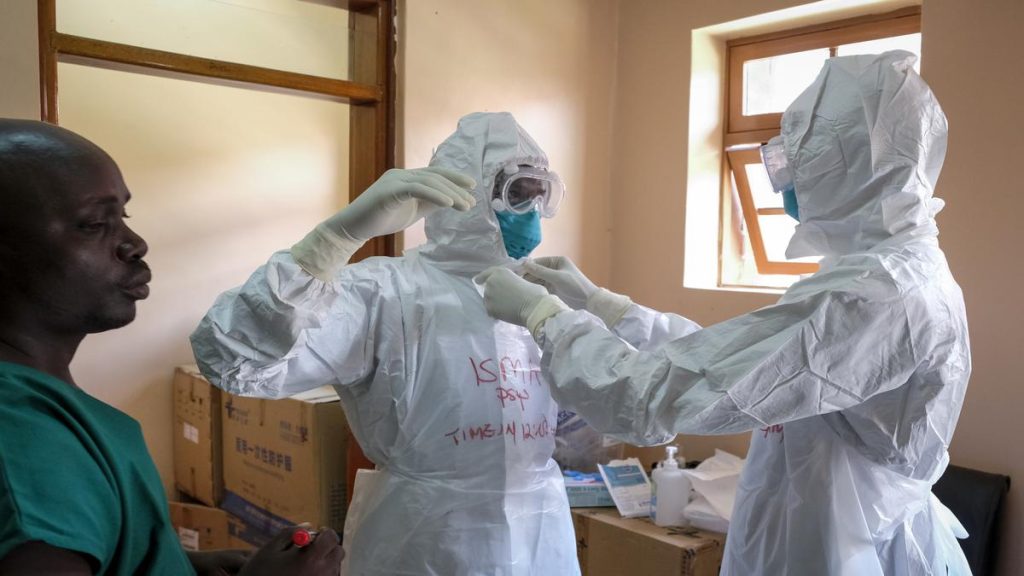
x=766 y=73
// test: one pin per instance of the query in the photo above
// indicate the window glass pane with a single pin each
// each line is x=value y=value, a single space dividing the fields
x=305 y=37
x=777 y=230
x=761 y=187
x=908 y=42
x=771 y=84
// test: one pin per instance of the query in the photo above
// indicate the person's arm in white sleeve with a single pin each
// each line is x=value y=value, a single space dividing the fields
x=303 y=320
x=647 y=329
x=772 y=366
x=269 y=337
x=638 y=325
x=826 y=352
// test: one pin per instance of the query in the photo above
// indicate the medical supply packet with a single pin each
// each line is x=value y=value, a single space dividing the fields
x=629 y=486
x=586 y=490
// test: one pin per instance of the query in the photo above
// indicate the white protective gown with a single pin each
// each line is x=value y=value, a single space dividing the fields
x=852 y=384
x=447 y=402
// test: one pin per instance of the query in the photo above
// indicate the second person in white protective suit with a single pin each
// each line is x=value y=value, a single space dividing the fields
x=852 y=384
x=447 y=402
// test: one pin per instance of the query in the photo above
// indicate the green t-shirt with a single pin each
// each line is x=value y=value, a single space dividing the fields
x=75 y=474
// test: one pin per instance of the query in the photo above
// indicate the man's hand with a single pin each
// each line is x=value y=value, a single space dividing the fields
x=321 y=558
x=510 y=298
x=218 y=562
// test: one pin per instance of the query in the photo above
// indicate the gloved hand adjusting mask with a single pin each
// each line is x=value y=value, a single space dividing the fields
x=773 y=154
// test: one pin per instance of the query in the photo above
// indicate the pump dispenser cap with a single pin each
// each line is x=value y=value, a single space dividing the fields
x=670 y=457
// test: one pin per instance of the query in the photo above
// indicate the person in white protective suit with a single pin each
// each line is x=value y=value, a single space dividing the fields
x=852 y=384
x=447 y=402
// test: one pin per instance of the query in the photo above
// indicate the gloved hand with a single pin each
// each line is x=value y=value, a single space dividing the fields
x=509 y=298
x=401 y=197
x=563 y=279
x=393 y=203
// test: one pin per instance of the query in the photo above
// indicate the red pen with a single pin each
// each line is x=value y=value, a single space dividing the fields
x=303 y=537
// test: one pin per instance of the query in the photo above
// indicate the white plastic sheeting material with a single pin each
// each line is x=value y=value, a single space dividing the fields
x=852 y=384
x=448 y=403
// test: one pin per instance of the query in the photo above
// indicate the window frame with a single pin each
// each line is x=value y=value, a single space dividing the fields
x=370 y=91
x=742 y=133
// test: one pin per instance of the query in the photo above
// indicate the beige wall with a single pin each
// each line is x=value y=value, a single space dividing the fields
x=971 y=58
x=551 y=64
x=19 y=60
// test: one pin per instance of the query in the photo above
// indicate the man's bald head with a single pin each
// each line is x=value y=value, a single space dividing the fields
x=67 y=258
x=39 y=164
x=31 y=135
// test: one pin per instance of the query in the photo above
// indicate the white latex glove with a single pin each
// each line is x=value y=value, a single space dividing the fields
x=562 y=278
x=395 y=201
x=399 y=198
x=509 y=298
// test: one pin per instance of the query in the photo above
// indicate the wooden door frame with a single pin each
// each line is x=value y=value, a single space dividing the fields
x=370 y=92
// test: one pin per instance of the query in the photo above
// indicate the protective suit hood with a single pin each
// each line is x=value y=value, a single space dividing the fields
x=466 y=243
x=865 y=142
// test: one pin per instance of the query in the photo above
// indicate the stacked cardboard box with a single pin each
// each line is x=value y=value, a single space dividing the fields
x=197 y=437
x=284 y=461
x=268 y=464
x=200 y=527
x=610 y=545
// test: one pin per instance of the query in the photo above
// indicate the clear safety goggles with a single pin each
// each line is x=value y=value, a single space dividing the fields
x=520 y=189
x=773 y=154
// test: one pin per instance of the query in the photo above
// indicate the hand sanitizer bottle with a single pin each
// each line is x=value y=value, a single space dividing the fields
x=671 y=491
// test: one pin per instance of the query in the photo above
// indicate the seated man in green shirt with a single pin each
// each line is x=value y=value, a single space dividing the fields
x=79 y=493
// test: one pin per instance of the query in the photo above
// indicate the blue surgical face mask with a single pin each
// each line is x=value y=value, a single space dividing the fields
x=776 y=164
x=520 y=232
x=789 y=203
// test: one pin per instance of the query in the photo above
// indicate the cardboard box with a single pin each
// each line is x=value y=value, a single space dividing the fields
x=609 y=545
x=197 y=436
x=242 y=536
x=284 y=461
x=200 y=527
x=579 y=525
